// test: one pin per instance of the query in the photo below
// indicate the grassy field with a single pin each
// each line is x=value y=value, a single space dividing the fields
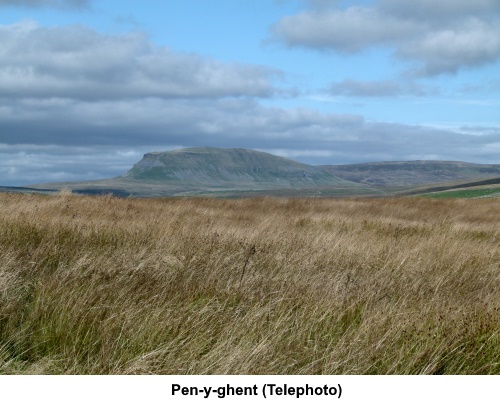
x=106 y=285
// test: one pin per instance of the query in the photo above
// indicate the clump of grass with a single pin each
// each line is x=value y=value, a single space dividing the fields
x=102 y=285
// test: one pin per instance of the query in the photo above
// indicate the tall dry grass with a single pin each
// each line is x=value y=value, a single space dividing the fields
x=103 y=285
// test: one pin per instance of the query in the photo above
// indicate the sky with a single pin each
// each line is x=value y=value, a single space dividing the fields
x=88 y=86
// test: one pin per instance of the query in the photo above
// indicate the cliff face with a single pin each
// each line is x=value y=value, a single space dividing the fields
x=225 y=167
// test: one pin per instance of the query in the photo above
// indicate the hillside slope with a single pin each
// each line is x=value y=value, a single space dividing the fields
x=400 y=174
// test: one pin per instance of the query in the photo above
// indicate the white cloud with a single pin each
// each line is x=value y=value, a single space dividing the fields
x=349 y=30
x=77 y=62
x=438 y=36
x=470 y=44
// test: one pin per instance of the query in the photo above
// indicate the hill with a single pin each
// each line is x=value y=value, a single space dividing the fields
x=402 y=174
x=218 y=172
x=240 y=168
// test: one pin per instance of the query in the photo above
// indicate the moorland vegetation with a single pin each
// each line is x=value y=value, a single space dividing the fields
x=106 y=285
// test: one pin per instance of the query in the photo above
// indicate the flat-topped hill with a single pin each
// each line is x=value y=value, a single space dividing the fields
x=215 y=167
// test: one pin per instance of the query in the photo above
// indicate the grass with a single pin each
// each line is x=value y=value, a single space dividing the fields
x=466 y=193
x=103 y=285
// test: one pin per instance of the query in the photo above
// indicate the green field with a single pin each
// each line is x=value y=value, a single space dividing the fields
x=466 y=193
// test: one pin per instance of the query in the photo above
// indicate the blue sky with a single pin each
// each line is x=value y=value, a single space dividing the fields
x=87 y=86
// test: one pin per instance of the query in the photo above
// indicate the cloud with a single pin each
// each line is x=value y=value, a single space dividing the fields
x=382 y=88
x=473 y=43
x=157 y=121
x=481 y=130
x=350 y=30
x=439 y=37
x=430 y=9
x=47 y=3
x=77 y=62
x=31 y=164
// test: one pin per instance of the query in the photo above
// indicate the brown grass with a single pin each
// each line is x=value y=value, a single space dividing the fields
x=101 y=285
